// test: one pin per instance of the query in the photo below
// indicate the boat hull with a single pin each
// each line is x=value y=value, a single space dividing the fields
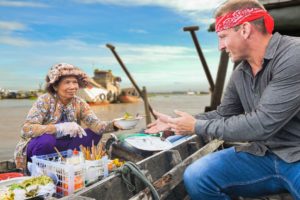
x=129 y=99
x=101 y=103
x=94 y=96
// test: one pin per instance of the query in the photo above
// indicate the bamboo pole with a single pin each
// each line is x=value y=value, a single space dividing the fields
x=220 y=80
x=112 y=48
x=146 y=105
x=192 y=30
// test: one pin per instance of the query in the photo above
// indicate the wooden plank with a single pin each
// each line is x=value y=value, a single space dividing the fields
x=172 y=178
x=8 y=166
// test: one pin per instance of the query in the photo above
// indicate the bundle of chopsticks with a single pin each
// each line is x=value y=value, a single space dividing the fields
x=93 y=152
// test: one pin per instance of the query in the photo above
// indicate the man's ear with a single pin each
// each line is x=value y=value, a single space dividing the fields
x=246 y=29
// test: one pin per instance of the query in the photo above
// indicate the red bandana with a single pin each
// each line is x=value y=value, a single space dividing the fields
x=238 y=17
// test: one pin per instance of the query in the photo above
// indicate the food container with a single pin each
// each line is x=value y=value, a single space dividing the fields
x=21 y=188
x=93 y=170
x=127 y=123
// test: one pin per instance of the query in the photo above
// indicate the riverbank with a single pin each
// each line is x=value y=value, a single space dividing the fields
x=13 y=113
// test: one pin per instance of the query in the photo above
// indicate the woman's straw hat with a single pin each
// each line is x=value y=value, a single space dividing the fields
x=65 y=69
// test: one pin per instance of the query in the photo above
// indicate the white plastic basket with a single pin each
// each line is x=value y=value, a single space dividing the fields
x=70 y=177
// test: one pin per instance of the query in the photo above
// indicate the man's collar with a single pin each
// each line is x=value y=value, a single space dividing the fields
x=270 y=51
x=272 y=46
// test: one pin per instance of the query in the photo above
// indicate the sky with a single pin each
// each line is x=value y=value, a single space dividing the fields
x=148 y=36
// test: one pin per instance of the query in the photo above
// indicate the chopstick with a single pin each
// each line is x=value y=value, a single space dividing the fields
x=82 y=149
x=59 y=154
x=95 y=152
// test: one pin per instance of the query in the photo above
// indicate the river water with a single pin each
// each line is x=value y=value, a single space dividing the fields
x=13 y=113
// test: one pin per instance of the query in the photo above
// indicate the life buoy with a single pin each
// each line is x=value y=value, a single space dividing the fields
x=109 y=96
x=102 y=96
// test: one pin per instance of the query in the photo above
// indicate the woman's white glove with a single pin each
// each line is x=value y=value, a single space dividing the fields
x=69 y=128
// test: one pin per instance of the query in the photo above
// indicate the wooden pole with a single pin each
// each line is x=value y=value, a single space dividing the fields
x=220 y=80
x=192 y=30
x=146 y=105
x=112 y=48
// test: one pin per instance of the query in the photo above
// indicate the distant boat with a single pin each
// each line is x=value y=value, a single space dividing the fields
x=105 y=88
x=94 y=94
x=108 y=81
x=129 y=95
x=191 y=93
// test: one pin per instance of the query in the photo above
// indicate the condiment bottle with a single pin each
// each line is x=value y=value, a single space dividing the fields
x=75 y=157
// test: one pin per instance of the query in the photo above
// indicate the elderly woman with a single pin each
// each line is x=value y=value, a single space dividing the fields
x=54 y=119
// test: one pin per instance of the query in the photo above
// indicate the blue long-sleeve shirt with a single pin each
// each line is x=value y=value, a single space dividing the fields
x=263 y=110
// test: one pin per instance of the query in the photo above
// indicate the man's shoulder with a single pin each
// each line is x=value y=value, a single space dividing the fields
x=288 y=50
x=290 y=43
x=287 y=56
x=291 y=38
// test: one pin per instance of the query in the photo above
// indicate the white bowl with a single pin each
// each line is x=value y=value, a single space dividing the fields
x=127 y=123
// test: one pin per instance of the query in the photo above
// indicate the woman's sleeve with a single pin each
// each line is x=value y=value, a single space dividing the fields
x=89 y=118
x=33 y=125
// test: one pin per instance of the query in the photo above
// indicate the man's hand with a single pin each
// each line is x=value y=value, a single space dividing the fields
x=182 y=125
x=69 y=128
x=161 y=124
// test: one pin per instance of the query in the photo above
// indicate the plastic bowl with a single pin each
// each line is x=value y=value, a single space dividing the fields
x=127 y=123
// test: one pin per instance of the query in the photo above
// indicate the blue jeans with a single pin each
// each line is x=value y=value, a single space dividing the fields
x=227 y=173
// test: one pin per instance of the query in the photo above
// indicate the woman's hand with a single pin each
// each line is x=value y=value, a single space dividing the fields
x=69 y=128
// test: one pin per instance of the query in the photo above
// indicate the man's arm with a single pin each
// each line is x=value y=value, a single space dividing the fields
x=186 y=124
x=230 y=105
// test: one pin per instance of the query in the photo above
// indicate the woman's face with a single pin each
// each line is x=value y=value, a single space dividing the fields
x=67 y=88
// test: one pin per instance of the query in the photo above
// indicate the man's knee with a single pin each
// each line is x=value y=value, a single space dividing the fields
x=189 y=175
x=199 y=179
x=195 y=175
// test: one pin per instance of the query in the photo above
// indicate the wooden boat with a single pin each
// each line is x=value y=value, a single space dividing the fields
x=156 y=166
x=8 y=166
x=128 y=99
x=164 y=169
x=94 y=94
x=129 y=95
x=108 y=81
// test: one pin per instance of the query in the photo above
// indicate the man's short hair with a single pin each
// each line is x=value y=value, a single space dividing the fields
x=233 y=5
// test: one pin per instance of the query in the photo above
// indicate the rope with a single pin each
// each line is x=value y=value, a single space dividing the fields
x=131 y=168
